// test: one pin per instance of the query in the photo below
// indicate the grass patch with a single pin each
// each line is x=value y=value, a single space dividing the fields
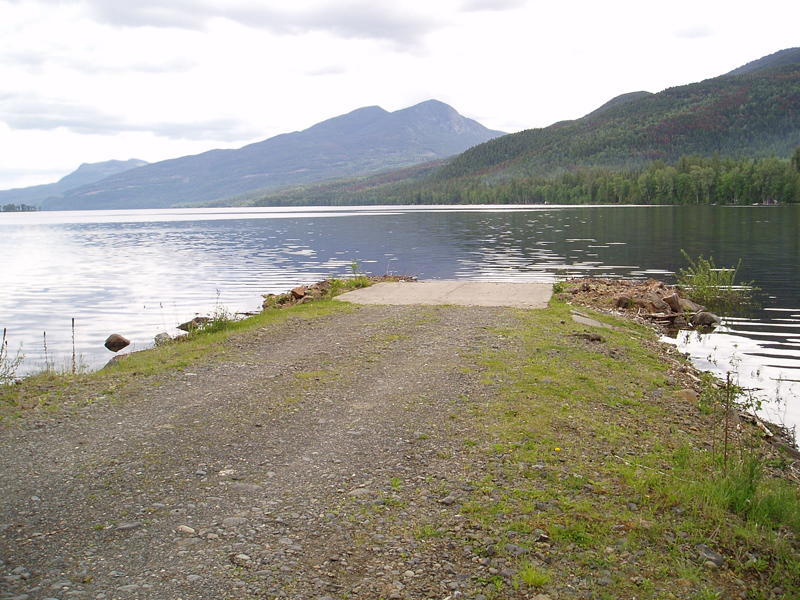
x=595 y=464
x=534 y=577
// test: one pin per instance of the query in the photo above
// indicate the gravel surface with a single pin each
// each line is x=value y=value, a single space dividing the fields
x=323 y=458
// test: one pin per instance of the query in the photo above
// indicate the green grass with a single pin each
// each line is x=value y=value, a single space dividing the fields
x=532 y=576
x=50 y=391
x=612 y=468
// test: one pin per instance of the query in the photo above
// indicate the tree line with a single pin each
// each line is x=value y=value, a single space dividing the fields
x=692 y=180
x=18 y=208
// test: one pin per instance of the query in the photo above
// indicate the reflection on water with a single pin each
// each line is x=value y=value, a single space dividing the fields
x=141 y=272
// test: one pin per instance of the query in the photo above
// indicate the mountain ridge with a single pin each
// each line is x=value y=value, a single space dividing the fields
x=366 y=140
x=85 y=174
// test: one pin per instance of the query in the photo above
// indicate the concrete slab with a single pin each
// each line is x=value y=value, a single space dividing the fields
x=461 y=293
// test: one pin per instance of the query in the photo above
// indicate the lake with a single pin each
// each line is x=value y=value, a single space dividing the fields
x=141 y=272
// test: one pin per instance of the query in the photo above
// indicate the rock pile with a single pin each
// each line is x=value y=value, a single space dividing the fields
x=321 y=289
x=649 y=300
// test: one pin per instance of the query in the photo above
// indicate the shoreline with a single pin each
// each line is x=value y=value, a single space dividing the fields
x=328 y=449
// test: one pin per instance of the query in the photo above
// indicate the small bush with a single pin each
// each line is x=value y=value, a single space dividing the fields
x=713 y=287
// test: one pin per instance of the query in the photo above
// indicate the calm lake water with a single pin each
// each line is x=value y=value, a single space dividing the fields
x=141 y=272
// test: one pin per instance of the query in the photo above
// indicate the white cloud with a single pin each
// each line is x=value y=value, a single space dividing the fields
x=491 y=5
x=356 y=19
x=22 y=112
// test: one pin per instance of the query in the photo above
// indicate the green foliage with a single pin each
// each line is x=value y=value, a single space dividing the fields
x=533 y=577
x=713 y=287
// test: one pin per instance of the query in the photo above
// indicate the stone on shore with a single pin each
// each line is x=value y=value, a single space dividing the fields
x=115 y=342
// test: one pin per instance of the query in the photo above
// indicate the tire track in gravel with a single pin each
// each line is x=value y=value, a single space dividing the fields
x=304 y=465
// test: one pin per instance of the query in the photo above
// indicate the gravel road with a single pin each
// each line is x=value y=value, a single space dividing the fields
x=321 y=458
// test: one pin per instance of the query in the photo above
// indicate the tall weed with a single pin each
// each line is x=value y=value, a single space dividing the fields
x=714 y=287
x=9 y=364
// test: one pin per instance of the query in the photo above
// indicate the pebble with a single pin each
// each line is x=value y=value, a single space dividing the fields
x=129 y=526
x=709 y=555
x=186 y=529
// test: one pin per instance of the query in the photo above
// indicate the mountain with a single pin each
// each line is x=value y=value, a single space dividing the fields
x=367 y=140
x=752 y=115
x=621 y=99
x=670 y=147
x=778 y=59
x=85 y=174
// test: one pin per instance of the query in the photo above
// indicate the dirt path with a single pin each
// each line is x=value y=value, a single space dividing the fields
x=317 y=460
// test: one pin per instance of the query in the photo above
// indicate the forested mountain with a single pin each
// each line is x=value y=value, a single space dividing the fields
x=367 y=140
x=777 y=59
x=727 y=139
x=744 y=115
x=85 y=174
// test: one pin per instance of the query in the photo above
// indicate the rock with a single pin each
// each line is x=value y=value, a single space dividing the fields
x=623 y=301
x=358 y=492
x=196 y=323
x=705 y=320
x=679 y=304
x=515 y=550
x=687 y=394
x=129 y=526
x=653 y=303
x=234 y=521
x=115 y=342
x=186 y=529
x=299 y=292
x=162 y=339
x=708 y=555
x=680 y=322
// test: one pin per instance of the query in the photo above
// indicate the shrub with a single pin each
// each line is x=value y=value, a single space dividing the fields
x=713 y=287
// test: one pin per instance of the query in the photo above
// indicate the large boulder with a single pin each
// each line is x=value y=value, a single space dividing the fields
x=679 y=304
x=654 y=304
x=115 y=342
x=705 y=320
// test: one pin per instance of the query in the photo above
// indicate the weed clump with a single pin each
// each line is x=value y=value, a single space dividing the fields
x=8 y=364
x=714 y=287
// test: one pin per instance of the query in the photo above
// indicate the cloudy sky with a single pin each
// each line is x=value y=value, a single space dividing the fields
x=93 y=80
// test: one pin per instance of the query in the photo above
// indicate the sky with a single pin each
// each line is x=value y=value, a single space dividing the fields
x=86 y=81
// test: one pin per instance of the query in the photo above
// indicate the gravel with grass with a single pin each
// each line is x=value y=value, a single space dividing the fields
x=331 y=451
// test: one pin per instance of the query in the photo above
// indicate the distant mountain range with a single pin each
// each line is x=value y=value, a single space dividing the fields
x=365 y=141
x=430 y=153
x=85 y=174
